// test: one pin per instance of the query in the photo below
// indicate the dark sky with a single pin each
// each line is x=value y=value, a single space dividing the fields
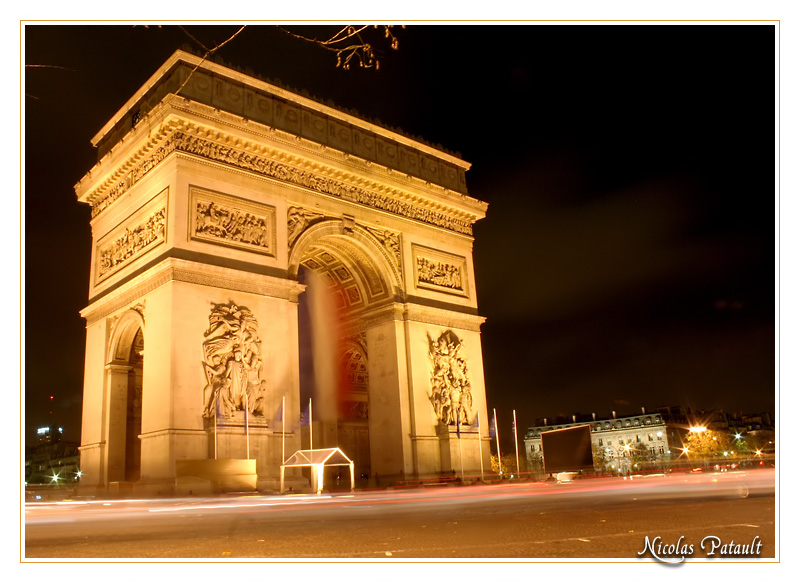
x=627 y=257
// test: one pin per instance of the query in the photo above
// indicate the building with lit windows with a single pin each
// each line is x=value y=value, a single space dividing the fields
x=619 y=445
x=52 y=461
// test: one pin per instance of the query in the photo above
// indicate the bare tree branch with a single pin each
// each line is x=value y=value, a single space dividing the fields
x=209 y=52
x=48 y=67
x=357 y=51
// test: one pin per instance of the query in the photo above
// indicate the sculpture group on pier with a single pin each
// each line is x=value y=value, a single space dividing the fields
x=451 y=394
x=232 y=362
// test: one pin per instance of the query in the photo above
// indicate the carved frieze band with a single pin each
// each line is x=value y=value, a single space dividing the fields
x=143 y=231
x=184 y=142
x=233 y=222
x=439 y=271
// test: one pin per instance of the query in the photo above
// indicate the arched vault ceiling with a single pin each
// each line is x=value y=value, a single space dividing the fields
x=349 y=274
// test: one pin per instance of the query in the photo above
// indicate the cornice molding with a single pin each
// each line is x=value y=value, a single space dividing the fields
x=443 y=318
x=176 y=133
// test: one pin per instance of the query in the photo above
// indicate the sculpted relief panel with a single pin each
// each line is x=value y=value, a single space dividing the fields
x=439 y=271
x=298 y=219
x=142 y=232
x=451 y=391
x=232 y=222
x=232 y=362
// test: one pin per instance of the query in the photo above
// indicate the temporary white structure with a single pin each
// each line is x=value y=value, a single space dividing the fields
x=317 y=459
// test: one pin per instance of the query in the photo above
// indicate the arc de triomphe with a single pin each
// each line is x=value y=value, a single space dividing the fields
x=253 y=249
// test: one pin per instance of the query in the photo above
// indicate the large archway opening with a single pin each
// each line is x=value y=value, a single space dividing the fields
x=344 y=279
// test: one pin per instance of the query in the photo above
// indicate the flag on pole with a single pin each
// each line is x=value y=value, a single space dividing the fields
x=492 y=428
x=279 y=414
x=476 y=423
x=458 y=429
x=283 y=432
x=516 y=440
x=497 y=439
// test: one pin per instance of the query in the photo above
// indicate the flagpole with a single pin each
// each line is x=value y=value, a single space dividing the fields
x=516 y=440
x=246 y=426
x=460 y=454
x=480 y=440
x=497 y=437
x=310 y=427
x=283 y=430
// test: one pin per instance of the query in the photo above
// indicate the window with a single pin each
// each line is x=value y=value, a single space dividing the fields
x=638 y=438
x=621 y=441
x=600 y=442
x=661 y=449
x=649 y=437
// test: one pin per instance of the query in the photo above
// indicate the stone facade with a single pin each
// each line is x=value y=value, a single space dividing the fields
x=215 y=214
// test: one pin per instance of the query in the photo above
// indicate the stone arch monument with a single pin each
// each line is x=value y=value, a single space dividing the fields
x=253 y=249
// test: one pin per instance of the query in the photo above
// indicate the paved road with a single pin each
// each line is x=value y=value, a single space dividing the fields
x=591 y=519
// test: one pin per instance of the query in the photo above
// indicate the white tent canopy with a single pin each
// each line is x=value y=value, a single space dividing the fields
x=317 y=460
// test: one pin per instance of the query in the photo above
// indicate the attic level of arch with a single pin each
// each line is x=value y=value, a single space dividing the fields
x=229 y=91
x=196 y=130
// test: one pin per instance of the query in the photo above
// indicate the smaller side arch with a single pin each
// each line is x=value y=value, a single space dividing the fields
x=122 y=335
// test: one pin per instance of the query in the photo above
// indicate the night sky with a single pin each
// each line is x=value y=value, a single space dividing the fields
x=627 y=259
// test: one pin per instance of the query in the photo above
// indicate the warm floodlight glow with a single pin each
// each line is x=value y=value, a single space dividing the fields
x=686 y=450
x=697 y=429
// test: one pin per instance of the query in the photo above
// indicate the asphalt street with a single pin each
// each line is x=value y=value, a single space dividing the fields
x=601 y=519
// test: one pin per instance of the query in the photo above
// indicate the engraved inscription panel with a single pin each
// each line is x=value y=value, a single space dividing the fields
x=142 y=232
x=232 y=222
x=440 y=271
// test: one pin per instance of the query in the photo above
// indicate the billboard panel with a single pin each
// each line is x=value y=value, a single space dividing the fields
x=567 y=450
